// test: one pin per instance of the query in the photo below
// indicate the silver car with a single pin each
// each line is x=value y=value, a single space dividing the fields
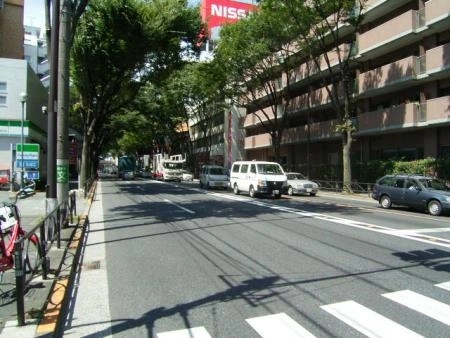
x=299 y=184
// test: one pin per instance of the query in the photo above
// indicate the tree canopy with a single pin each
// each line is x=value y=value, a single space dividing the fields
x=119 y=46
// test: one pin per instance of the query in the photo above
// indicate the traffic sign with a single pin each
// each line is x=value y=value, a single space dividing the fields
x=32 y=175
x=28 y=155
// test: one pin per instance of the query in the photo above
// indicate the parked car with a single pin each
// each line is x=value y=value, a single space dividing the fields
x=128 y=175
x=187 y=176
x=258 y=178
x=416 y=191
x=4 y=178
x=299 y=184
x=213 y=176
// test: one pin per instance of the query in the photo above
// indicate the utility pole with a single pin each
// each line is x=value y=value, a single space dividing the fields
x=51 y=201
x=62 y=144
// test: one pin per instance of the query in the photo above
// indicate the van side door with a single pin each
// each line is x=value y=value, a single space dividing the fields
x=242 y=182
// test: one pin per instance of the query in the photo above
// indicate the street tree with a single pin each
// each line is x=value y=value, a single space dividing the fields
x=325 y=33
x=196 y=90
x=258 y=58
x=119 y=45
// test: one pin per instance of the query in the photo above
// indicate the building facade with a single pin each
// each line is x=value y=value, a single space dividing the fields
x=402 y=87
x=21 y=116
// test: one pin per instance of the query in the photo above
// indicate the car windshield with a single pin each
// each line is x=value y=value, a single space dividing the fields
x=218 y=171
x=269 y=168
x=434 y=184
x=296 y=176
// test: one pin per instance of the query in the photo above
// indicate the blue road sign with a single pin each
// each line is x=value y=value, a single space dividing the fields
x=32 y=175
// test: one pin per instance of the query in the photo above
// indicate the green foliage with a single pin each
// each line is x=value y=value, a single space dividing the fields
x=370 y=171
x=120 y=45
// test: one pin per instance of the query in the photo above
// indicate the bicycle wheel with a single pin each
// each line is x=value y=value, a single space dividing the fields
x=32 y=254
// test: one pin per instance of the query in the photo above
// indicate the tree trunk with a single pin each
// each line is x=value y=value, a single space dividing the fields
x=85 y=158
x=346 y=160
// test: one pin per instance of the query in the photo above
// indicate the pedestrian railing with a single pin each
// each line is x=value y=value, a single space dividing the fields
x=338 y=186
x=49 y=230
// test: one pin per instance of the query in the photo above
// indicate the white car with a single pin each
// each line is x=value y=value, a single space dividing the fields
x=187 y=176
x=299 y=184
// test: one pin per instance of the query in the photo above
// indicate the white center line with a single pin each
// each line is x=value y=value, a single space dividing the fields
x=179 y=206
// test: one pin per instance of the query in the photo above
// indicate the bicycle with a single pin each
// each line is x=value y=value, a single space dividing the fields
x=12 y=231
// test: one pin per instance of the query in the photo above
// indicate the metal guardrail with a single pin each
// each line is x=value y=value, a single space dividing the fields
x=338 y=186
x=49 y=229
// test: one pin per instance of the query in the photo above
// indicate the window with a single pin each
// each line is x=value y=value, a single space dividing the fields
x=244 y=168
x=2 y=99
x=253 y=169
x=3 y=86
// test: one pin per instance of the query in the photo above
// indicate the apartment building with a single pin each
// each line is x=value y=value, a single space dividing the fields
x=35 y=50
x=402 y=87
x=22 y=95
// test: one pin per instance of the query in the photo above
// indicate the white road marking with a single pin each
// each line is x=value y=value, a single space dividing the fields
x=195 y=332
x=366 y=321
x=445 y=286
x=179 y=206
x=411 y=235
x=425 y=305
x=278 y=325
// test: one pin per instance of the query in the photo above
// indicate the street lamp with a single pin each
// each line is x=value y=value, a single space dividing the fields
x=23 y=99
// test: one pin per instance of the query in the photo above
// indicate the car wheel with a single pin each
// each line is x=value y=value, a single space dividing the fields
x=434 y=208
x=385 y=202
x=290 y=191
x=201 y=185
x=277 y=196
x=313 y=194
x=207 y=185
x=251 y=192
x=236 y=189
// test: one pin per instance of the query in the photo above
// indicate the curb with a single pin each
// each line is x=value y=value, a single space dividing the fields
x=55 y=310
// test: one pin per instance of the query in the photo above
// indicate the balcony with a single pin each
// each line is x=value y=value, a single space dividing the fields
x=308 y=69
x=393 y=73
x=258 y=141
x=392 y=30
x=438 y=60
x=437 y=12
x=408 y=115
x=255 y=118
x=319 y=131
x=435 y=63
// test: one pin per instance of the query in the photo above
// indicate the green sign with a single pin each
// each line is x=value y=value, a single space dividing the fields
x=28 y=147
x=62 y=173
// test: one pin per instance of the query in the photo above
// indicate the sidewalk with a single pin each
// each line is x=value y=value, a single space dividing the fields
x=43 y=298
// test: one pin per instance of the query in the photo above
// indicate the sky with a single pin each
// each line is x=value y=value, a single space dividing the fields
x=34 y=13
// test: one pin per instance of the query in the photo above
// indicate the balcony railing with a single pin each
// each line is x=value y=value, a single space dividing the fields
x=408 y=115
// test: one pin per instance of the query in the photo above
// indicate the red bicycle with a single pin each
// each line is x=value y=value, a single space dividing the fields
x=12 y=231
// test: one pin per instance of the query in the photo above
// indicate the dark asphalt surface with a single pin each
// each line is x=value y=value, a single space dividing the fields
x=39 y=291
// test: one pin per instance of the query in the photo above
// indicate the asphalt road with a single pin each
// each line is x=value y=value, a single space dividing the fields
x=165 y=257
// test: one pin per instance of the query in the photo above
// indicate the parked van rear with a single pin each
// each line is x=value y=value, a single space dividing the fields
x=258 y=178
x=213 y=176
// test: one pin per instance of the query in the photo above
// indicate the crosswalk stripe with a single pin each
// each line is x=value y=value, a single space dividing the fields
x=445 y=286
x=195 y=332
x=278 y=325
x=367 y=321
x=425 y=305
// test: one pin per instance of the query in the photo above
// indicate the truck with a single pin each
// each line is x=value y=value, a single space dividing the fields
x=126 y=166
x=168 y=168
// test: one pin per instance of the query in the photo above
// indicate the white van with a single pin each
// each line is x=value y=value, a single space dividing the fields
x=213 y=176
x=258 y=178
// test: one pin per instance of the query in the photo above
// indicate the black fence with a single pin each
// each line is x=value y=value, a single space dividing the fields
x=49 y=230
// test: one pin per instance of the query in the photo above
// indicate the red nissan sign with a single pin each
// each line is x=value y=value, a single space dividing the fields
x=218 y=12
